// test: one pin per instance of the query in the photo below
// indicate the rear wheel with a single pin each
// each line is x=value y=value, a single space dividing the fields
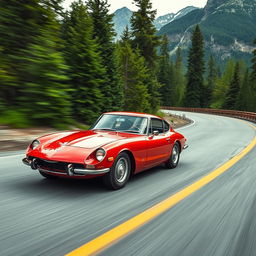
x=47 y=176
x=119 y=172
x=174 y=158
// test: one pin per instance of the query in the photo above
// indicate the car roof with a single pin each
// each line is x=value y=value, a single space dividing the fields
x=133 y=114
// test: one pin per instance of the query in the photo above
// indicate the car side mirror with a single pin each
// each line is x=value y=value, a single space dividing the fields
x=155 y=133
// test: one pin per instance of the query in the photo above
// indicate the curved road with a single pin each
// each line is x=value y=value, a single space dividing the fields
x=43 y=217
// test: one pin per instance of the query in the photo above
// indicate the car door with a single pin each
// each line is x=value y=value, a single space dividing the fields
x=158 y=146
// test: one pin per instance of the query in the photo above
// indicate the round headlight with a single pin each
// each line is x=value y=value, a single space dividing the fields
x=35 y=144
x=100 y=154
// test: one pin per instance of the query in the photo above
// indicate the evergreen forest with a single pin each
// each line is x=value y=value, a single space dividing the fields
x=61 y=68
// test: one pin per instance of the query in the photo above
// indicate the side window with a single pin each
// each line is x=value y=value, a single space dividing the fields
x=166 y=127
x=156 y=125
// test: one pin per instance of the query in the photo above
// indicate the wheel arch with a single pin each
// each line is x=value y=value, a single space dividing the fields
x=132 y=158
x=178 y=142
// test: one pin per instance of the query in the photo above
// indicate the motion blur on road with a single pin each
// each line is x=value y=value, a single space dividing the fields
x=54 y=217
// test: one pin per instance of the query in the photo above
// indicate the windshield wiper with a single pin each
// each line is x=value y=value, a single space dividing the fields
x=105 y=129
x=131 y=131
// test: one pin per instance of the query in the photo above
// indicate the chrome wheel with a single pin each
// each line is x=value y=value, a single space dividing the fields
x=175 y=154
x=121 y=170
x=174 y=157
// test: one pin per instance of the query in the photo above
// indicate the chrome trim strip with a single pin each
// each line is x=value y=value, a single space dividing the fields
x=91 y=172
x=78 y=171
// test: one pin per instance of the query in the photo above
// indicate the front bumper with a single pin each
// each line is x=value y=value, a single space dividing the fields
x=68 y=169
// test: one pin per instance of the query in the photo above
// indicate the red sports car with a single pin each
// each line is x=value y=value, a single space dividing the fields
x=118 y=145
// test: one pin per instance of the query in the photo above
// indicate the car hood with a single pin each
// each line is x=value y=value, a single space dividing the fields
x=83 y=139
x=74 y=146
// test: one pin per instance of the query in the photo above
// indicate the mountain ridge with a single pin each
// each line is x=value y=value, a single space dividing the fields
x=123 y=15
x=229 y=28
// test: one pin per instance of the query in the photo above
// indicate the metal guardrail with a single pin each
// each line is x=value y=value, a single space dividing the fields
x=250 y=116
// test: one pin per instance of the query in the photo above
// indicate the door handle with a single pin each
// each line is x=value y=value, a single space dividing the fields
x=168 y=139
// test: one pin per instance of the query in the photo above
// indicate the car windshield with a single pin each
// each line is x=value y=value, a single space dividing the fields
x=122 y=123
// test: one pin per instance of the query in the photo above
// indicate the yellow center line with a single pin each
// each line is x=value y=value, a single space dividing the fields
x=105 y=240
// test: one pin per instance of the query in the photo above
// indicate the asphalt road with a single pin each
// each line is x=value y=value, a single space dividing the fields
x=43 y=217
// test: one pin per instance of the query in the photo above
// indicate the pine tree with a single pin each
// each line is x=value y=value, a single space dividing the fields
x=211 y=82
x=165 y=74
x=134 y=75
x=253 y=82
x=222 y=85
x=144 y=32
x=46 y=88
x=194 y=97
x=45 y=80
x=179 y=80
x=7 y=81
x=32 y=60
x=244 y=97
x=146 y=41
x=19 y=24
x=253 y=74
x=104 y=34
x=86 y=72
x=126 y=36
x=231 y=101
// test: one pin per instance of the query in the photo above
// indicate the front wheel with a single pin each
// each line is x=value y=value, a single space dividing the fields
x=119 y=172
x=174 y=158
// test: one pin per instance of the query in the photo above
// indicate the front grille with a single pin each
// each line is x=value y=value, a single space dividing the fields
x=55 y=165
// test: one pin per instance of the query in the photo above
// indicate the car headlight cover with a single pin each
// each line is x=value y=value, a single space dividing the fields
x=35 y=144
x=100 y=154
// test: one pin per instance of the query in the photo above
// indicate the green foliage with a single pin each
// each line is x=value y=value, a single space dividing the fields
x=7 y=81
x=19 y=23
x=45 y=98
x=134 y=73
x=104 y=34
x=245 y=93
x=144 y=39
x=14 y=118
x=253 y=82
x=179 y=80
x=222 y=85
x=32 y=68
x=253 y=74
x=195 y=82
x=211 y=82
x=144 y=31
x=86 y=72
x=165 y=74
x=231 y=101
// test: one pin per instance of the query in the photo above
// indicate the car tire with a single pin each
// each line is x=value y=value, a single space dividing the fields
x=47 y=176
x=174 y=157
x=119 y=172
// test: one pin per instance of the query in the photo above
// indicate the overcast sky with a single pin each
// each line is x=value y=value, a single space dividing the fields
x=162 y=6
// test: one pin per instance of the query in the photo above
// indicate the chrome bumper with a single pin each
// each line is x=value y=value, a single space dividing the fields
x=70 y=170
